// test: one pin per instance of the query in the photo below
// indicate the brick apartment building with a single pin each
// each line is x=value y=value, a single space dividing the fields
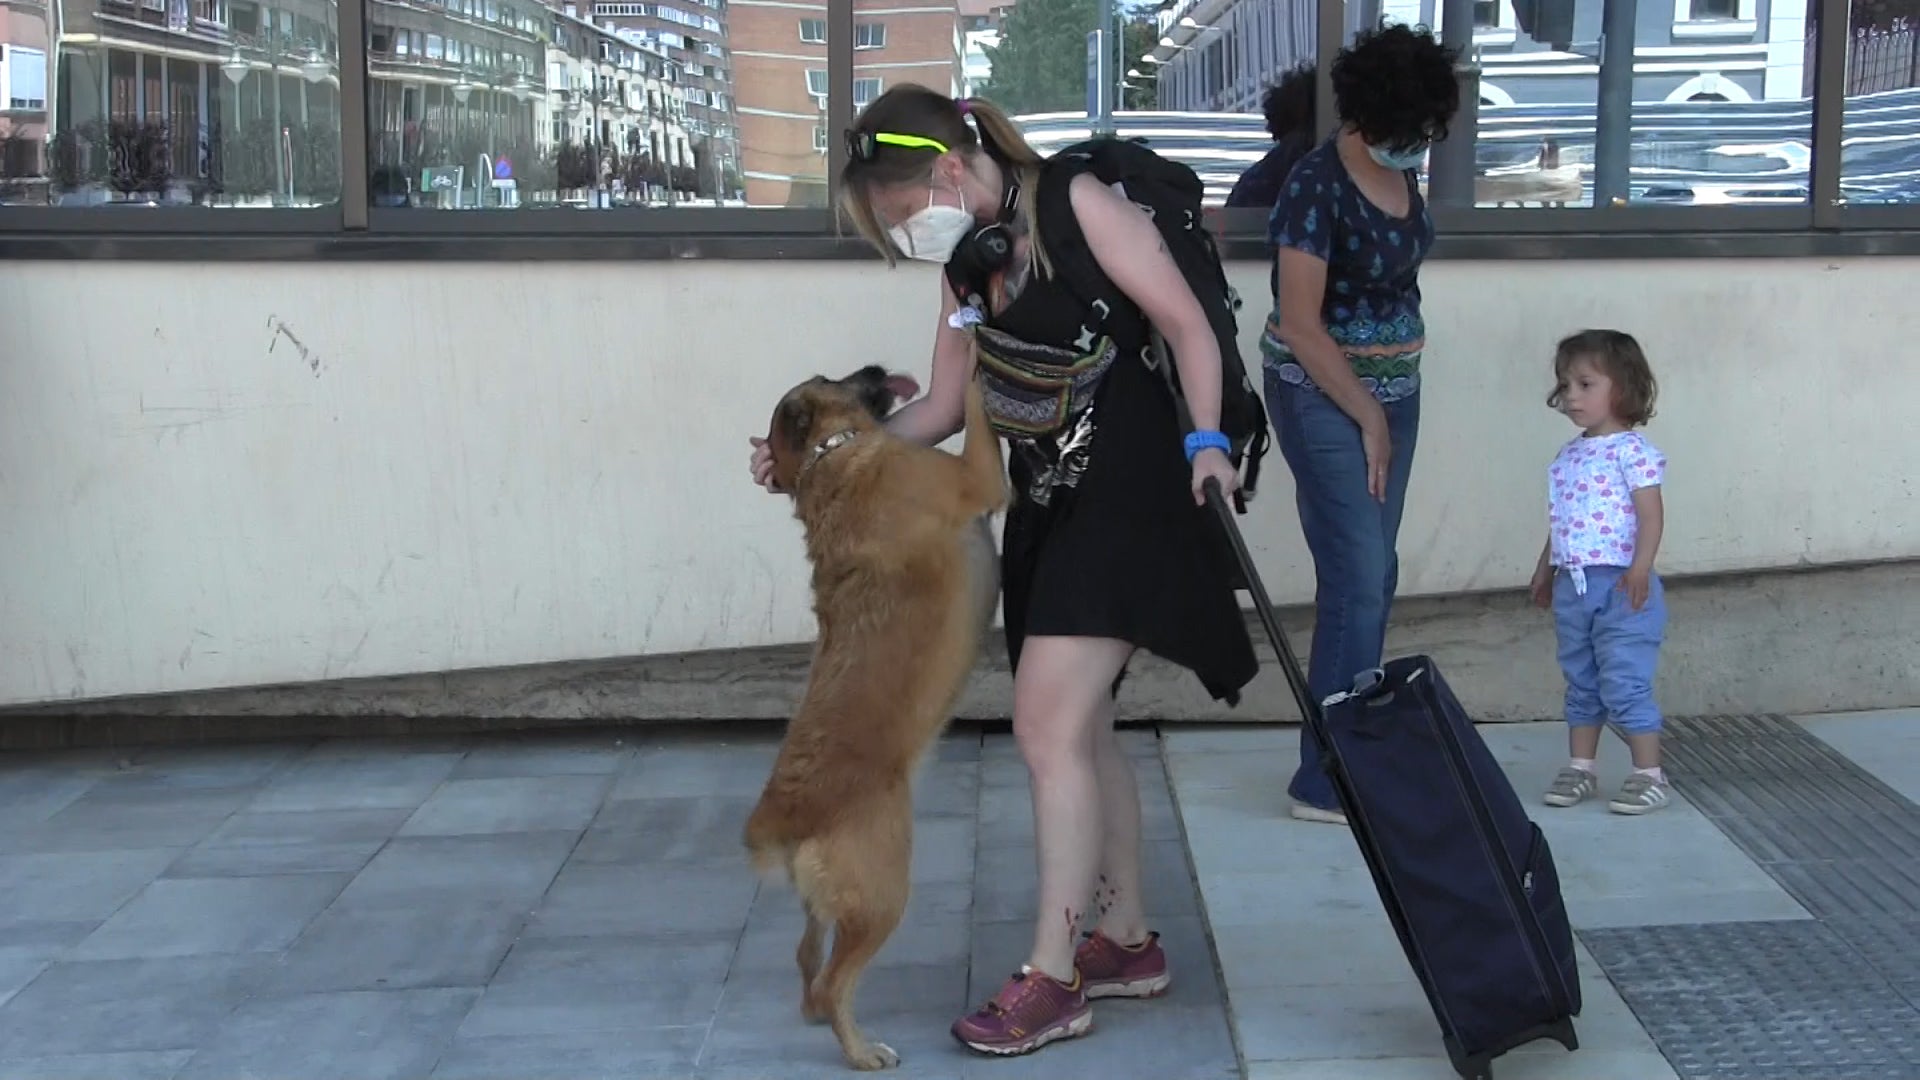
x=780 y=76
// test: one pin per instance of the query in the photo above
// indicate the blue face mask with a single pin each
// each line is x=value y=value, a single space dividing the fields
x=1398 y=160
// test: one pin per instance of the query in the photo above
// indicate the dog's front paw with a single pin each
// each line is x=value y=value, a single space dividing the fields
x=876 y=1056
x=813 y=1010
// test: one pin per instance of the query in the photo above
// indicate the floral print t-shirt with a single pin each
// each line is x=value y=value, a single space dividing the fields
x=1590 y=488
x=1372 y=304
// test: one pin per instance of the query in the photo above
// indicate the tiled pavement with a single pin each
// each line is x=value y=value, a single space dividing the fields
x=577 y=906
x=567 y=906
x=1710 y=945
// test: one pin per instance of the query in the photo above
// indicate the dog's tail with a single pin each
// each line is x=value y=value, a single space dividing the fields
x=768 y=849
x=980 y=452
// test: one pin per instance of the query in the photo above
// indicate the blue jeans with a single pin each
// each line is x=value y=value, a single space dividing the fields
x=1351 y=536
x=1608 y=651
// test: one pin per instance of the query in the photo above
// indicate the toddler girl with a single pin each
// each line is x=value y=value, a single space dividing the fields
x=1603 y=529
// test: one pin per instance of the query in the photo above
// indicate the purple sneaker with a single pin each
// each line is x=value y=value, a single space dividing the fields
x=1110 y=969
x=1032 y=1010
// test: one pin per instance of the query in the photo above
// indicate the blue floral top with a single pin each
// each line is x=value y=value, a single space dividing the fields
x=1372 y=305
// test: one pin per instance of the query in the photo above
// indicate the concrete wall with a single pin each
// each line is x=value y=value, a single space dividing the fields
x=226 y=475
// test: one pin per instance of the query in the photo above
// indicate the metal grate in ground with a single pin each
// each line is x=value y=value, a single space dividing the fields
x=1837 y=997
x=1760 y=1001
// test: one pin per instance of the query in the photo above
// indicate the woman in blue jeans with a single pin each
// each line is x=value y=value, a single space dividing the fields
x=1342 y=349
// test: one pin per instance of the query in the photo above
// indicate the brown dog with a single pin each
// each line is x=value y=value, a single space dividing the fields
x=904 y=582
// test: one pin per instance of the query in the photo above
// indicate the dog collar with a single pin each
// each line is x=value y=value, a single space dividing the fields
x=824 y=447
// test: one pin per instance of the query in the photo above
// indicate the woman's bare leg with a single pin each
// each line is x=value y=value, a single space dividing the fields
x=1117 y=898
x=1062 y=716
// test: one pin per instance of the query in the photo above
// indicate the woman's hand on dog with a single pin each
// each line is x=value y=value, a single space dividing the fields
x=761 y=462
x=1211 y=464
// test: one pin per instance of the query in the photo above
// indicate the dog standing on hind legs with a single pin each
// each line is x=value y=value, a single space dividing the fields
x=905 y=577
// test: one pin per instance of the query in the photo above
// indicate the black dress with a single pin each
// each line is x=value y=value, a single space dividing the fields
x=1117 y=549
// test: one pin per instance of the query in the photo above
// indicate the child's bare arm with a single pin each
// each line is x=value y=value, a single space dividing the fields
x=1541 y=587
x=1651 y=519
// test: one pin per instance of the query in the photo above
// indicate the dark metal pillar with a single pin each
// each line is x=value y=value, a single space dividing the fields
x=1832 y=38
x=1450 y=168
x=1613 y=123
x=354 y=121
x=1329 y=38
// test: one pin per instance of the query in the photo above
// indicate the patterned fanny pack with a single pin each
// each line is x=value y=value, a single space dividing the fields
x=1033 y=390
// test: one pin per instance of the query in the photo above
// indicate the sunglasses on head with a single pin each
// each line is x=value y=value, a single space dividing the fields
x=863 y=145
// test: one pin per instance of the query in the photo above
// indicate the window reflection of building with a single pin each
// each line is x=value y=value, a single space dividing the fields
x=1718 y=105
x=231 y=86
x=571 y=111
x=449 y=80
x=615 y=101
x=25 y=30
x=1223 y=54
x=691 y=43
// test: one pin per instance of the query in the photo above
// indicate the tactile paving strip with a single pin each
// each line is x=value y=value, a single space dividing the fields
x=1836 y=998
x=1835 y=837
x=1891 y=945
x=1758 y=1001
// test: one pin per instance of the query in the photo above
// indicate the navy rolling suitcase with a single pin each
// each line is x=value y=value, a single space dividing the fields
x=1466 y=877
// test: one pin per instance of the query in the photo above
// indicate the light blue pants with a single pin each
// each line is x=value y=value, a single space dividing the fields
x=1608 y=651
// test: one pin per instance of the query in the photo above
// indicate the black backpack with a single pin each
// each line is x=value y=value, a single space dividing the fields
x=1171 y=194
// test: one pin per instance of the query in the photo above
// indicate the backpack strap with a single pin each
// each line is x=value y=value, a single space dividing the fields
x=1113 y=161
x=1075 y=269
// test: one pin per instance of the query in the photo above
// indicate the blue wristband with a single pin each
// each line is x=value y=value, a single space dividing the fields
x=1206 y=440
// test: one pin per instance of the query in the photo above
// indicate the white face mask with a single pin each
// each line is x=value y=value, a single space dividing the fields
x=1398 y=160
x=933 y=233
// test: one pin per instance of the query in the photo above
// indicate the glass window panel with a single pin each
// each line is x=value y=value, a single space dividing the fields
x=593 y=105
x=1716 y=110
x=1880 y=136
x=1202 y=70
x=204 y=102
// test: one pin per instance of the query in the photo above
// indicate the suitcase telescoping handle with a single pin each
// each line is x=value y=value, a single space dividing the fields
x=1263 y=604
x=1160 y=357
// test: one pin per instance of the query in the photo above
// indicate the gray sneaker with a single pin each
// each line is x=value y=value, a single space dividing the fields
x=1572 y=786
x=1639 y=795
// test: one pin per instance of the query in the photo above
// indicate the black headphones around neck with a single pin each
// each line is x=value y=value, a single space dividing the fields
x=986 y=251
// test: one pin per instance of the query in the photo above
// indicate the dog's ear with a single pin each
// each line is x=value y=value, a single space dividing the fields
x=879 y=391
x=877 y=400
x=795 y=422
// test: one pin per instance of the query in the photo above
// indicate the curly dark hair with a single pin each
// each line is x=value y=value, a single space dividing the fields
x=1617 y=356
x=1289 y=104
x=1395 y=85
